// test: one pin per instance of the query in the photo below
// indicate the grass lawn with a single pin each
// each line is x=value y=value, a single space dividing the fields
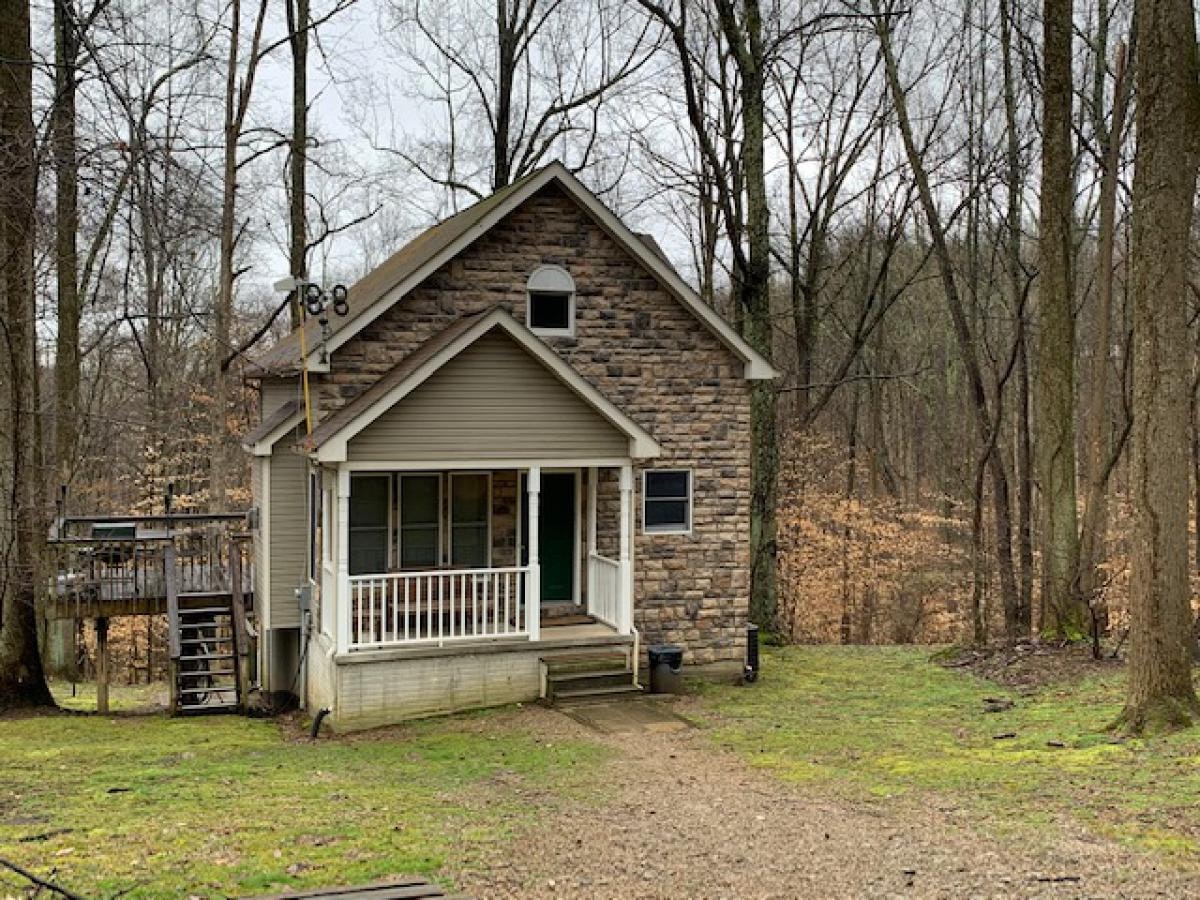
x=882 y=722
x=150 y=806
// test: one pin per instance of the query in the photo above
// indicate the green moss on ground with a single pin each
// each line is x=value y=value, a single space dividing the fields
x=882 y=722
x=150 y=806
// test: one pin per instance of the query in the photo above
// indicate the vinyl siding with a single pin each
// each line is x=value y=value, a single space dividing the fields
x=257 y=464
x=289 y=533
x=493 y=400
x=278 y=391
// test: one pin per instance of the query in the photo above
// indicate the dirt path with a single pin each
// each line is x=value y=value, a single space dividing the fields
x=678 y=818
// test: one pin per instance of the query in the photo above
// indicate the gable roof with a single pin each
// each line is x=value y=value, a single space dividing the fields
x=386 y=284
x=260 y=439
x=329 y=439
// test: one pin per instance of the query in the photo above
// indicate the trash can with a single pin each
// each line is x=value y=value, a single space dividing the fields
x=666 y=669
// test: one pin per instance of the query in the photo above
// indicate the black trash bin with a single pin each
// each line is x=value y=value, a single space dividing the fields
x=666 y=669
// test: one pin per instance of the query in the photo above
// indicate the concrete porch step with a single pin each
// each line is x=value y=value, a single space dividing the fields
x=588 y=674
x=597 y=693
x=576 y=683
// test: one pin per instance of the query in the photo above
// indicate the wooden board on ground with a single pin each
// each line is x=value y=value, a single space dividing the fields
x=401 y=889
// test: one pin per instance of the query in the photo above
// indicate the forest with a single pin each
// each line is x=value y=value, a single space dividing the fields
x=961 y=229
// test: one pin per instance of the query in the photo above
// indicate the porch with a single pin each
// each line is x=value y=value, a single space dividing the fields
x=427 y=559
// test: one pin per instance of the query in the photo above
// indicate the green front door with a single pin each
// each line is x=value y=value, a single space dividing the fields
x=556 y=535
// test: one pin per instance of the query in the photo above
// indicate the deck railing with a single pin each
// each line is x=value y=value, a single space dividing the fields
x=437 y=607
x=127 y=575
x=604 y=589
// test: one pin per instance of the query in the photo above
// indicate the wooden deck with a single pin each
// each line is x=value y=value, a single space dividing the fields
x=196 y=569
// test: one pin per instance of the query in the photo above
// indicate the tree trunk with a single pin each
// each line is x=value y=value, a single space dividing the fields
x=1099 y=465
x=298 y=20
x=223 y=309
x=1016 y=287
x=1161 y=694
x=1065 y=614
x=756 y=300
x=22 y=681
x=66 y=226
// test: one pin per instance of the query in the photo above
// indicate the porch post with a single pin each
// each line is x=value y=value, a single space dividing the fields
x=592 y=484
x=342 y=593
x=625 y=608
x=533 y=595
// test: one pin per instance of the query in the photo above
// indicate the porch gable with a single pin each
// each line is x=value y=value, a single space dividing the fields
x=486 y=387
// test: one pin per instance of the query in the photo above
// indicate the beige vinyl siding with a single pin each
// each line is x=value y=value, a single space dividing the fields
x=493 y=400
x=289 y=533
x=257 y=464
x=278 y=391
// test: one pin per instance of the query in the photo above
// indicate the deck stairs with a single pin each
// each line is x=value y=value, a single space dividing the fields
x=588 y=677
x=206 y=676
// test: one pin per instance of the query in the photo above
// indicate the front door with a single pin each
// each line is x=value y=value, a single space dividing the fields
x=556 y=535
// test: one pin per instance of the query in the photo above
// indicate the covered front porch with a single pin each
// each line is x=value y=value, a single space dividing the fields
x=428 y=557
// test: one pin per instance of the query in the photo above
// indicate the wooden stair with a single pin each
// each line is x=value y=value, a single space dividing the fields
x=591 y=676
x=209 y=648
x=206 y=677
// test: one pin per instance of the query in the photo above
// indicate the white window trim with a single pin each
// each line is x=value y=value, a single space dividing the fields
x=567 y=287
x=441 y=526
x=450 y=516
x=691 y=497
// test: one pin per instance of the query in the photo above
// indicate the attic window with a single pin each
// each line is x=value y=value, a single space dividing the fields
x=551 y=308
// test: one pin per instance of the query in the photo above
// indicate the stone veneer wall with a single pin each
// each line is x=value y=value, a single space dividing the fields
x=640 y=347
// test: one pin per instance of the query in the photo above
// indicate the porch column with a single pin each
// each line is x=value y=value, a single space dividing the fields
x=625 y=608
x=592 y=484
x=533 y=596
x=342 y=594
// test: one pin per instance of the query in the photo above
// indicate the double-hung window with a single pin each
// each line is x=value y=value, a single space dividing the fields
x=420 y=527
x=667 y=501
x=469 y=499
x=370 y=506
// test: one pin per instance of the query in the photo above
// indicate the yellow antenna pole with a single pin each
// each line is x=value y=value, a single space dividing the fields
x=304 y=365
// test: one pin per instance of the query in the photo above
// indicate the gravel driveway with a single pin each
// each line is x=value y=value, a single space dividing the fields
x=677 y=817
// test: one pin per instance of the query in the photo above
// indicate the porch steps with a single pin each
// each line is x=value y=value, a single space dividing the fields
x=588 y=676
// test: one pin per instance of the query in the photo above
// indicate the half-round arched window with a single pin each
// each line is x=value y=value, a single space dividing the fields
x=550 y=309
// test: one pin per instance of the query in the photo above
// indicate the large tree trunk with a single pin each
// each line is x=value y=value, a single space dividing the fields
x=1065 y=614
x=1161 y=693
x=22 y=682
x=59 y=655
x=758 y=326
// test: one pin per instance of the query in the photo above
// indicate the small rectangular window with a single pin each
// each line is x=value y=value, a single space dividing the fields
x=667 y=501
x=550 y=312
x=420 y=525
x=469 y=501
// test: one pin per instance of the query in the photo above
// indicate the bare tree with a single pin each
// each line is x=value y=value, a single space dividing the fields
x=985 y=414
x=520 y=82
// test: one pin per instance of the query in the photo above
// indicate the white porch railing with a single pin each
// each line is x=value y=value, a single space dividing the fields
x=604 y=589
x=436 y=607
